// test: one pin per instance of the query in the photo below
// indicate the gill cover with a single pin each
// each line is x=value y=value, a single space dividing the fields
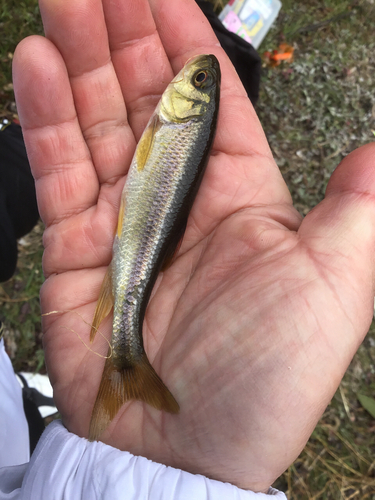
x=192 y=90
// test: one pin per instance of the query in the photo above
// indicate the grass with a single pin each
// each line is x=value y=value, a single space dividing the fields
x=322 y=106
x=20 y=309
x=19 y=297
x=17 y=20
x=314 y=111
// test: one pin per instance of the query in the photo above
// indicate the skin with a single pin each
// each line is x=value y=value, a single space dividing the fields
x=255 y=322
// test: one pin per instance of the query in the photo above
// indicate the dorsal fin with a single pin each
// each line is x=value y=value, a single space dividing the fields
x=173 y=247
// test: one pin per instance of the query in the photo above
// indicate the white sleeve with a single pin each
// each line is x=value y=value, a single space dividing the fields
x=14 y=431
x=67 y=467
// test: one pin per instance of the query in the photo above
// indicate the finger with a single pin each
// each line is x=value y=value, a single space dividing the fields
x=340 y=236
x=78 y=29
x=66 y=182
x=67 y=185
x=139 y=58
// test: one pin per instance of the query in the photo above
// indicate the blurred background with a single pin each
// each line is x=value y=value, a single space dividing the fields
x=316 y=104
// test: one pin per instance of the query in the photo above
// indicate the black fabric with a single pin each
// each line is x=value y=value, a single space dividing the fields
x=34 y=420
x=31 y=400
x=244 y=57
x=18 y=206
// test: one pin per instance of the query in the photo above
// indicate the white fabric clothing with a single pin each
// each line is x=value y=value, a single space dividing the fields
x=67 y=467
x=14 y=431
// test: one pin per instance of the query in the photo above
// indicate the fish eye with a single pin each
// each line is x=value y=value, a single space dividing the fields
x=200 y=78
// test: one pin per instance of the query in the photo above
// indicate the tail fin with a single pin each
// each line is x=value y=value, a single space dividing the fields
x=120 y=385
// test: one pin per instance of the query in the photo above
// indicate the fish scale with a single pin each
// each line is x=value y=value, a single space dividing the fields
x=162 y=182
x=162 y=174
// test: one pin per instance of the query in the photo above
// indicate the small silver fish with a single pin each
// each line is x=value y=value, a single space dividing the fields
x=162 y=183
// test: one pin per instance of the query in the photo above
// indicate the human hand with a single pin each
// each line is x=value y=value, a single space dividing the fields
x=254 y=324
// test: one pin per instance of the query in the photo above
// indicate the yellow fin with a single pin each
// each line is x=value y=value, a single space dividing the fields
x=105 y=303
x=145 y=144
x=121 y=215
x=117 y=386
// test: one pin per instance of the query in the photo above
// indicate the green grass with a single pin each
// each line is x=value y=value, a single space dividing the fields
x=20 y=308
x=322 y=106
x=17 y=20
x=314 y=111
x=19 y=297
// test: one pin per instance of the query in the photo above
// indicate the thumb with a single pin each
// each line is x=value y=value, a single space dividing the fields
x=340 y=235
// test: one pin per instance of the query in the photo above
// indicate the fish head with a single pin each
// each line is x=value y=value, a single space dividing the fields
x=193 y=92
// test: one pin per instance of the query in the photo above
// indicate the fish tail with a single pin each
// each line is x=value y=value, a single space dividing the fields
x=119 y=385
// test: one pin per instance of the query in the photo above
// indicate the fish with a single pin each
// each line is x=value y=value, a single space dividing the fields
x=162 y=183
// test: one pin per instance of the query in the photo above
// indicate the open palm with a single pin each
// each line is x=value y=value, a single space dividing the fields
x=256 y=320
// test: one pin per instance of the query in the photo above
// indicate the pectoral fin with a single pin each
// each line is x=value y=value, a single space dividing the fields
x=121 y=215
x=105 y=303
x=145 y=144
